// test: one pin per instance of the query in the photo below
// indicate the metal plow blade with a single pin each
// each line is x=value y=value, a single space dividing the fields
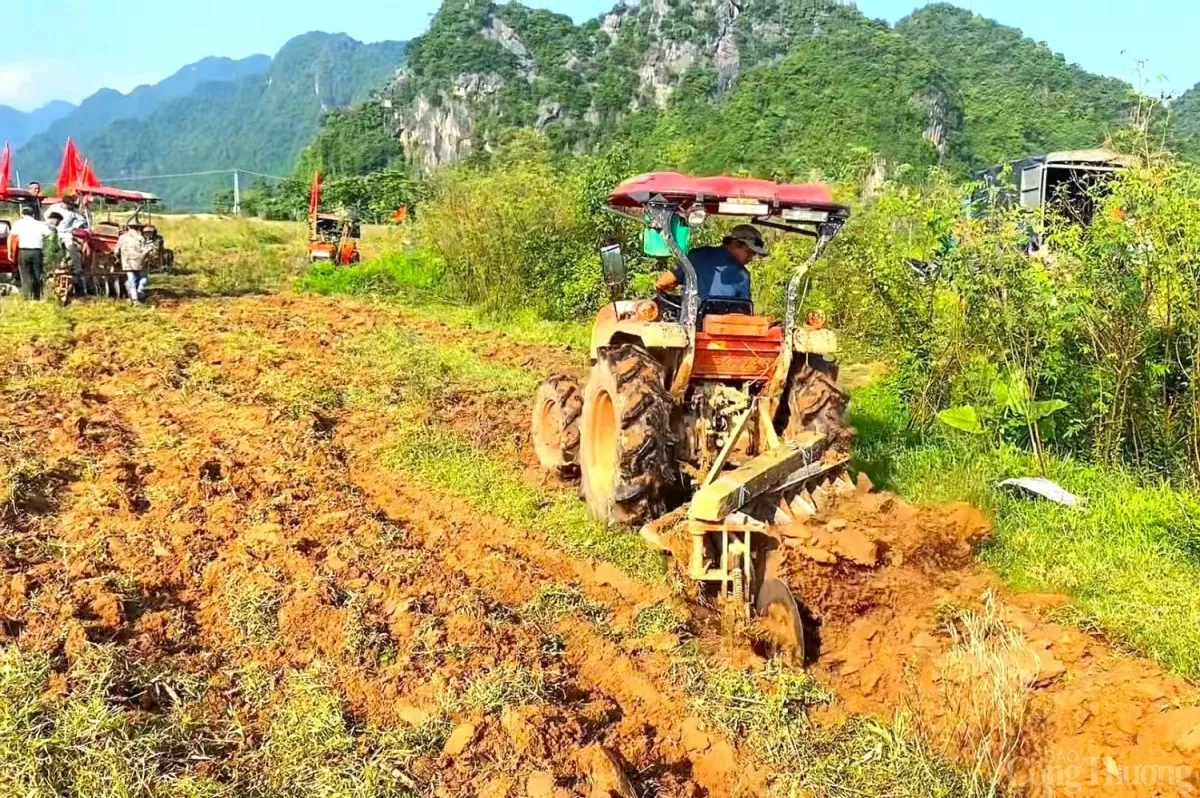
x=730 y=534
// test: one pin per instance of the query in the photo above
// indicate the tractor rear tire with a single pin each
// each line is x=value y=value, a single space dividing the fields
x=556 y=411
x=816 y=403
x=626 y=448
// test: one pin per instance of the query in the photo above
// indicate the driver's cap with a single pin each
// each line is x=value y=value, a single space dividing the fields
x=748 y=234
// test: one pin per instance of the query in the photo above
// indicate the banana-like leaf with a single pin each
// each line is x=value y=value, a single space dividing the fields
x=963 y=418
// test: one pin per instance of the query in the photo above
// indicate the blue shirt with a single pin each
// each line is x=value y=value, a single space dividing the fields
x=719 y=274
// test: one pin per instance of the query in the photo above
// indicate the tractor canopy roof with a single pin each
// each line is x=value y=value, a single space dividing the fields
x=117 y=194
x=16 y=195
x=729 y=196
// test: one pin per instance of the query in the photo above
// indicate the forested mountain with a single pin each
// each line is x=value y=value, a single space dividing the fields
x=260 y=122
x=43 y=153
x=18 y=127
x=1017 y=96
x=779 y=88
x=1185 y=123
x=766 y=86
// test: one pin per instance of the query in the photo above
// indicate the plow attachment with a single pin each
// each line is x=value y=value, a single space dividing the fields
x=730 y=534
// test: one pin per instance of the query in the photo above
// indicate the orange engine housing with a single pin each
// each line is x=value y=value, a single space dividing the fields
x=737 y=347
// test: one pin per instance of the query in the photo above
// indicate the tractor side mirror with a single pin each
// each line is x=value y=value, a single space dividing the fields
x=612 y=262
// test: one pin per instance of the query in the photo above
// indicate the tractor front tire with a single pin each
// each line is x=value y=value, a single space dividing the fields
x=556 y=411
x=816 y=403
x=626 y=449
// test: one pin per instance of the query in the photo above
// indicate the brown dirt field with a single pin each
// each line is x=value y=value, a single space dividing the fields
x=889 y=608
x=182 y=510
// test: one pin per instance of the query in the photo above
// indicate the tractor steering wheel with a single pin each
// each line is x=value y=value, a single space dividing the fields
x=670 y=306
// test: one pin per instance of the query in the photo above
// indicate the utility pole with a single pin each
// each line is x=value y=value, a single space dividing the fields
x=237 y=195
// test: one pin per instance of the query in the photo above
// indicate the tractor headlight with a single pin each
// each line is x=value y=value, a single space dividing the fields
x=646 y=310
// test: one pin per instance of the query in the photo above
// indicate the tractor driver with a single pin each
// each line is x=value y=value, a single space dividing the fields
x=721 y=271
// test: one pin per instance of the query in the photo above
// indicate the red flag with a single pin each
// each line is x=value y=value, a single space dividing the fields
x=87 y=178
x=314 y=196
x=68 y=173
x=5 y=166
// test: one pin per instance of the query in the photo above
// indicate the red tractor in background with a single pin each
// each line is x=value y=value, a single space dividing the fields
x=11 y=202
x=332 y=238
x=98 y=241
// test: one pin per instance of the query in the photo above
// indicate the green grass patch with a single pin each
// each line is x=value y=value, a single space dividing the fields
x=1130 y=560
x=392 y=274
x=23 y=322
x=555 y=601
x=659 y=619
x=494 y=486
x=402 y=364
x=411 y=277
x=309 y=747
x=230 y=257
x=506 y=686
x=85 y=743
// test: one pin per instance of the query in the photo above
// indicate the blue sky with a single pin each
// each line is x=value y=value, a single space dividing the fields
x=138 y=42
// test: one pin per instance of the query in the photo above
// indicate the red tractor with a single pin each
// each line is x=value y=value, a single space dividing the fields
x=705 y=402
x=332 y=238
x=11 y=202
x=98 y=241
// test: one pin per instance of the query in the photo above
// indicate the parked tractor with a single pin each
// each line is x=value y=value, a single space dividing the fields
x=704 y=404
x=333 y=238
x=98 y=241
x=11 y=202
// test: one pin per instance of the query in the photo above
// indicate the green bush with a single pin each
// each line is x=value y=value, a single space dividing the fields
x=522 y=232
x=392 y=274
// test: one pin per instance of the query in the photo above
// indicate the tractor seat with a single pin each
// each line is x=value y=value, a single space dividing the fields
x=724 y=307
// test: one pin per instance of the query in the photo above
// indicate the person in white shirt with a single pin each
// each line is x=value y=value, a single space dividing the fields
x=31 y=238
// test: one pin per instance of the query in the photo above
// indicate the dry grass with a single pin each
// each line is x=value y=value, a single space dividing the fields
x=251 y=602
x=985 y=684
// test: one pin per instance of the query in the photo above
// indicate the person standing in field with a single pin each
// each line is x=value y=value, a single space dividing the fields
x=72 y=220
x=132 y=249
x=31 y=237
x=55 y=253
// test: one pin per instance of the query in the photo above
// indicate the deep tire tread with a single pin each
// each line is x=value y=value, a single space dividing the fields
x=564 y=391
x=816 y=403
x=645 y=465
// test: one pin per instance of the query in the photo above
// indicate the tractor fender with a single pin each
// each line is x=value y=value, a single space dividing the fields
x=609 y=330
x=815 y=342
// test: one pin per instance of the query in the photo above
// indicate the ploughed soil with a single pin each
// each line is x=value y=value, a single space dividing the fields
x=172 y=503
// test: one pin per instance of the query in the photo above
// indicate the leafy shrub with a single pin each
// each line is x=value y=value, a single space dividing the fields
x=523 y=232
x=1091 y=343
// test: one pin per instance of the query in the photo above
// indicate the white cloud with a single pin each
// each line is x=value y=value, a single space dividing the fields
x=18 y=85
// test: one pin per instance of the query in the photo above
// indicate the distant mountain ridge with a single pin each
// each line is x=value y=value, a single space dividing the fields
x=260 y=117
x=18 y=127
x=106 y=106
